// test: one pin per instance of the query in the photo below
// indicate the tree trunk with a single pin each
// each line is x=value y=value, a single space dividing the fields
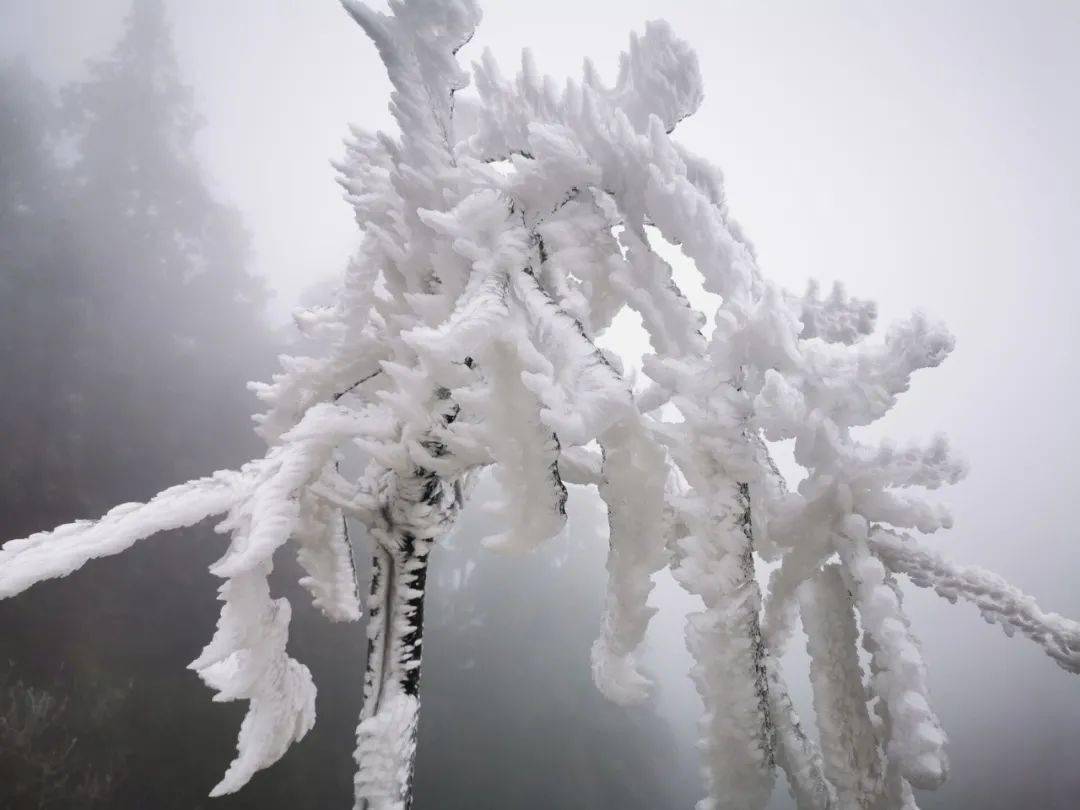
x=415 y=511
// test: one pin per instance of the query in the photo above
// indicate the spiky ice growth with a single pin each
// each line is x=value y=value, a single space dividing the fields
x=503 y=232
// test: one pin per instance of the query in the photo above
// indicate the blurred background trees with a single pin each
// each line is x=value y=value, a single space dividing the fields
x=131 y=322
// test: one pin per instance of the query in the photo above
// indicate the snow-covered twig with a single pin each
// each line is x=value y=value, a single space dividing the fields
x=997 y=600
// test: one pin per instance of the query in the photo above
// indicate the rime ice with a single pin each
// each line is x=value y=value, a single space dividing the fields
x=504 y=230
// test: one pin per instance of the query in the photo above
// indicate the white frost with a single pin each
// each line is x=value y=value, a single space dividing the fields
x=504 y=230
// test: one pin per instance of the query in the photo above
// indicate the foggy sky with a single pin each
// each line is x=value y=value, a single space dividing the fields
x=924 y=154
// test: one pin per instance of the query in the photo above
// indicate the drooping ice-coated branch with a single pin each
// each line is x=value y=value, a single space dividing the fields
x=503 y=233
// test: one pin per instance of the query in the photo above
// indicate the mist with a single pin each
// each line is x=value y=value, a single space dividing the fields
x=167 y=199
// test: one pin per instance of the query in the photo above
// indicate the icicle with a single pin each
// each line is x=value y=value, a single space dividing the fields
x=852 y=759
x=532 y=497
x=326 y=557
x=916 y=741
x=632 y=485
x=246 y=660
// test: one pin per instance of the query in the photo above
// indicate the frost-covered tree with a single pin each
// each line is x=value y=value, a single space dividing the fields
x=503 y=233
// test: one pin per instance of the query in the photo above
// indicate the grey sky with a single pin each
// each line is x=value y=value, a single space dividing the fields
x=923 y=153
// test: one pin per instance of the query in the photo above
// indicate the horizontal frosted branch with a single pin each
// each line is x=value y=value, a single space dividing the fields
x=47 y=555
x=999 y=602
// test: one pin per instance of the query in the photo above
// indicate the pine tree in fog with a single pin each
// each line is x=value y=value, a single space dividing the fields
x=503 y=233
x=127 y=299
x=38 y=299
x=127 y=287
x=159 y=257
